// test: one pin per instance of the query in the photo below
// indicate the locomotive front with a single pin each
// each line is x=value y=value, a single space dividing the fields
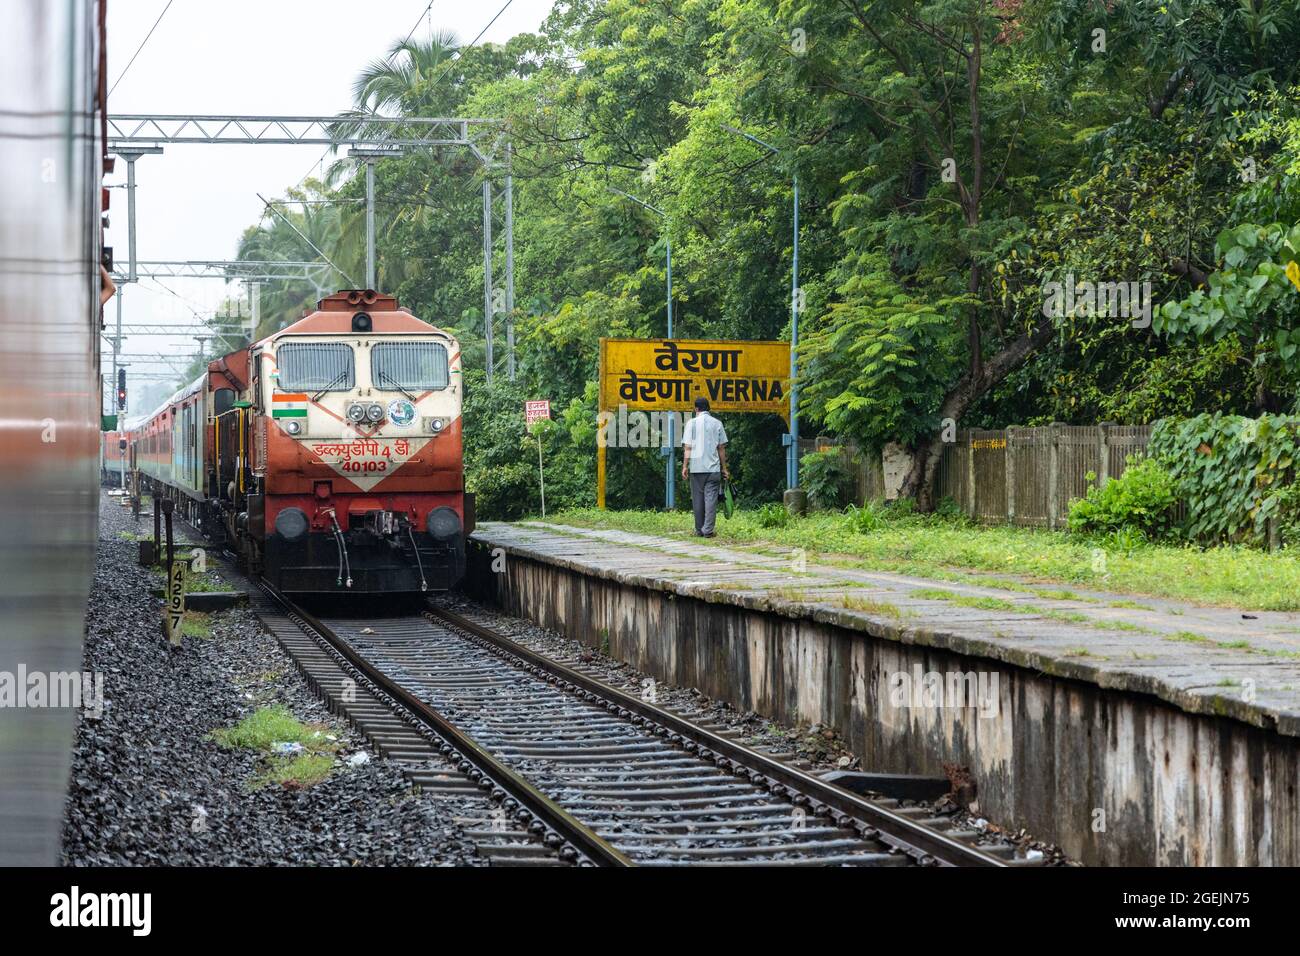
x=356 y=441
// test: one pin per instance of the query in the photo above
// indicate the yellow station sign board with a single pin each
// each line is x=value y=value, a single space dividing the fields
x=670 y=374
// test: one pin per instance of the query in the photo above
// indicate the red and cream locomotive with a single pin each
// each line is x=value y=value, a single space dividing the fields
x=327 y=455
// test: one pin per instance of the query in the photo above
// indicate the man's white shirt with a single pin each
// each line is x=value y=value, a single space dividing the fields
x=704 y=434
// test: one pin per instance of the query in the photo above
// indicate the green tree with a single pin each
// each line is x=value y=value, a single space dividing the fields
x=953 y=156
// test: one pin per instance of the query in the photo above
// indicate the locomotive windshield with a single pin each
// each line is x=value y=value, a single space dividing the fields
x=315 y=366
x=408 y=365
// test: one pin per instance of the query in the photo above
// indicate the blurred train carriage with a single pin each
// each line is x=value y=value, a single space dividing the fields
x=52 y=287
x=327 y=456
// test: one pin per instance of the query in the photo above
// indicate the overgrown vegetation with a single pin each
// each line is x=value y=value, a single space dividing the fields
x=827 y=478
x=263 y=727
x=196 y=624
x=304 y=770
x=772 y=515
x=195 y=582
x=1233 y=473
x=272 y=732
x=1141 y=500
x=936 y=203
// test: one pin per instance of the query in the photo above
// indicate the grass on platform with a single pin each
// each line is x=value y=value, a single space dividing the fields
x=956 y=550
x=871 y=606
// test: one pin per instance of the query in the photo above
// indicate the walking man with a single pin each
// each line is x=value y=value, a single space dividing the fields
x=704 y=461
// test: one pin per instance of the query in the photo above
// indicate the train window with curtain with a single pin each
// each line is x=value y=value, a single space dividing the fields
x=408 y=365
x=315 y=367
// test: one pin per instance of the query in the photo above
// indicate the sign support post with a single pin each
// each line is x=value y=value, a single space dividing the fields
x=541 y=473
x=670 y=497
x=535 y=411
x=600 y=472
x=602 y=434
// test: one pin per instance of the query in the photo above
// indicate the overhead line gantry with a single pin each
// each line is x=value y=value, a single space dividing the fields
x=368 y=138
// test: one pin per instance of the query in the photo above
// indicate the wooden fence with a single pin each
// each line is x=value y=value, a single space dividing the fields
x=1022 y=476
x=1029 y=476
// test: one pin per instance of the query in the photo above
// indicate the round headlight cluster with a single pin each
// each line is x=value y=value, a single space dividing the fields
x=375 y=413
x=443 y=523
x=437 y=424
x=357 y=413
x=291 y=524
x=294 y=428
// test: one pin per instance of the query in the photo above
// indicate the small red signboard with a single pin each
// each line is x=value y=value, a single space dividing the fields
x=534 y=410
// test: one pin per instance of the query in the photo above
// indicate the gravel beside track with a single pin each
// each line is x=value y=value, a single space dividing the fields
x=149 y=787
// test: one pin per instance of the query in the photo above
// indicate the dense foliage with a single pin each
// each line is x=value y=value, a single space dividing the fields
x=1231 y=472
x=1140 y=500
x=953 y=157
x=1251 y=298
x=828 y=479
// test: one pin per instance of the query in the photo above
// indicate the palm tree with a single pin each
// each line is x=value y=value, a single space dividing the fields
x=416 y=78
x=411 y=79
x=318 y=218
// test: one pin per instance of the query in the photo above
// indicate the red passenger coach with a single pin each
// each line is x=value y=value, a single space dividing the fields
x=114 y=459
x=328 y=455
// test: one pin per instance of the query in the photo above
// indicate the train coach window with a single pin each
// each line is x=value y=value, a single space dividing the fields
x=408 y=365
x=315 y=366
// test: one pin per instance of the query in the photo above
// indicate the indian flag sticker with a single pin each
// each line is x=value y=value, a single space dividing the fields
x=289 y=405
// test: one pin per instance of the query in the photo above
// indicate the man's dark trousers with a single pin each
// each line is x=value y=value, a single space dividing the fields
x=706 y=487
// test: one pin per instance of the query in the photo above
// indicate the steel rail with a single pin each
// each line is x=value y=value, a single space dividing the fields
x=585 y=840
x=922 y=843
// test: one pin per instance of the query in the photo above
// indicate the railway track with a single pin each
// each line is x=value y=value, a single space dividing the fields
x=504 y=831
x=580 y=771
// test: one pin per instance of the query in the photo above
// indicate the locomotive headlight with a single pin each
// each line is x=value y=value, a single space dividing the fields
x=291 y=524
x=357 y=413
x=375 y=413
x=437 y=424
x=294 y=428
x=443 y=523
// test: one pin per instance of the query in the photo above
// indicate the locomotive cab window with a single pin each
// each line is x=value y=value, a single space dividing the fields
x=315 y=367
x=408 y=365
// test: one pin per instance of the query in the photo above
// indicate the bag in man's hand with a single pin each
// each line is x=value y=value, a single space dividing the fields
x=728 y=502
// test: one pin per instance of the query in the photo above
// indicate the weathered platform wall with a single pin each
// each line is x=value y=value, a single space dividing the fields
x=1115 y=777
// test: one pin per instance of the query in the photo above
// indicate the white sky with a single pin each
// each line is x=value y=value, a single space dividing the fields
x=253 y=57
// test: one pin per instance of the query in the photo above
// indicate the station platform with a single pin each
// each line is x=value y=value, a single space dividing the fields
x=1203 y=660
